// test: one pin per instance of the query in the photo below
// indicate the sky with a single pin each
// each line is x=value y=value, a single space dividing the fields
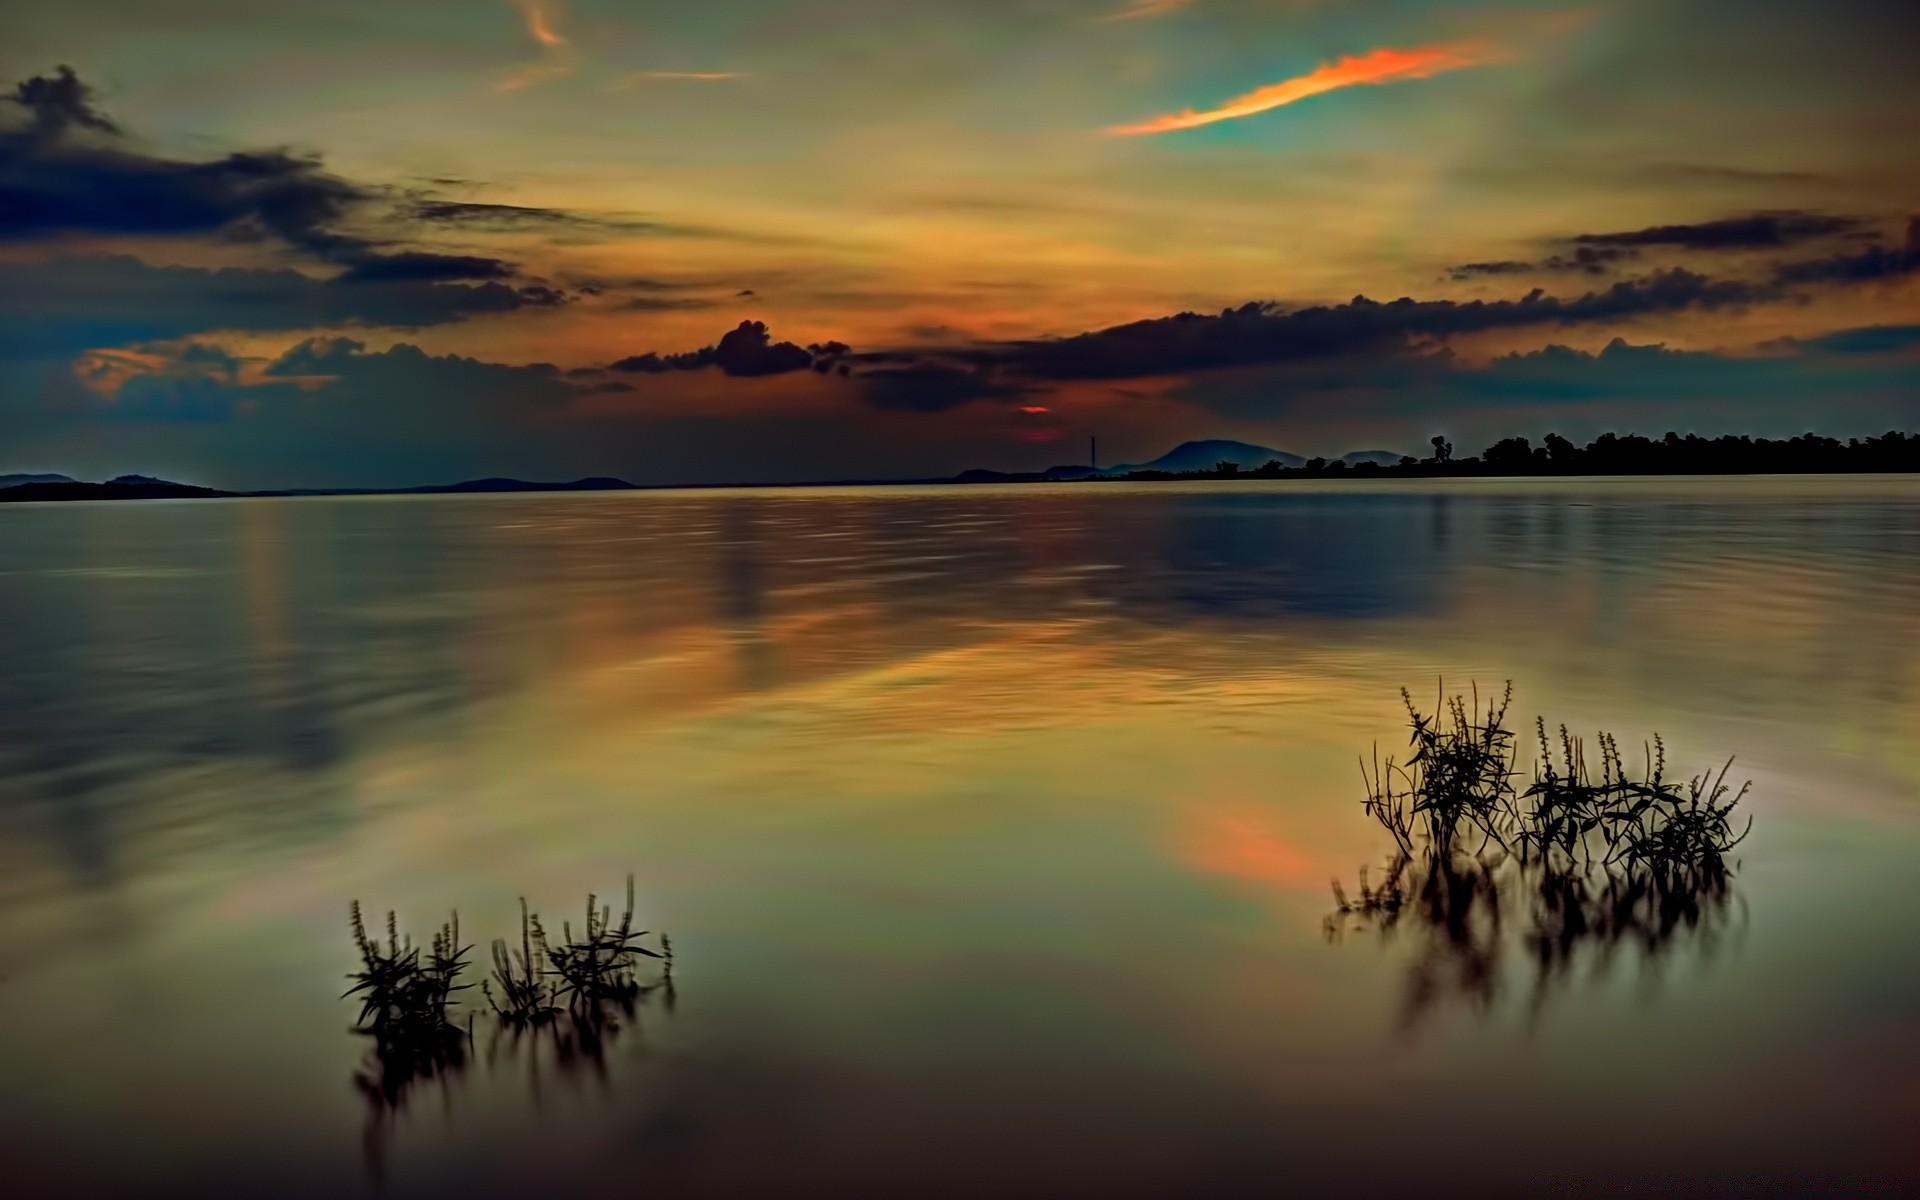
x=364 y=243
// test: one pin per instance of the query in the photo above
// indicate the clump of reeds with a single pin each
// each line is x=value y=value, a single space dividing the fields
x=1457 y=780
x=403 y=997
x=1645 y=822
x=1609 y=856
x=598 y=967
x=600 y=964
x=527 y=997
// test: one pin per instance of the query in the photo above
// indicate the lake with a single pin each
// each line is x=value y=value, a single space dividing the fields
x=994 y=828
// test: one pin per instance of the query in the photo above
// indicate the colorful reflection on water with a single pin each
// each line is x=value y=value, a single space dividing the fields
x=993 y=827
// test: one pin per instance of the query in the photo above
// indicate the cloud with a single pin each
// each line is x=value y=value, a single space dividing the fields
x=1263 y=333
x=473 y=215
x=1753 y=231
x=1623 y=387
x=1374 y=67
x=1869 y=340
x=639 y=77
x=59 y=307
x=932 y=387
x=1143 y=10
x=1864 y=266
x=556 y=52
x=59 y=103
x=421 y=265
x=66 y=169
x=1586 y=260
x=1505 y=266
x=540 y=23
x=746 y=351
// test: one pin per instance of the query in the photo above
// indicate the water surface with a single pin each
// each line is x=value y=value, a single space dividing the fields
x=993 y=826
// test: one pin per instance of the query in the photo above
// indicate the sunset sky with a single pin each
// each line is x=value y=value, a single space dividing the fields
x=388 y=242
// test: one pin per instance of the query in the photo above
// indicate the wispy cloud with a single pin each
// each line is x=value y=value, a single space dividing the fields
x=1378 y=66
x=639 y=77
x=556 y=52
x=1140 y=10
x=540 y=23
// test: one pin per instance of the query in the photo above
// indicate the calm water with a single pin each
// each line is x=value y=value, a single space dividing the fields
x=993 y=827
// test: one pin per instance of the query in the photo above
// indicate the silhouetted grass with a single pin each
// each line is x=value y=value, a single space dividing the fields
x=1591 y=857
x=575 y=992
x=1457 y=779
x=402 y=997
x=526 y=996
x=599 y=965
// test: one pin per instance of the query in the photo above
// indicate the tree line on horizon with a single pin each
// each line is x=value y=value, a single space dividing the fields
x=1613 y=454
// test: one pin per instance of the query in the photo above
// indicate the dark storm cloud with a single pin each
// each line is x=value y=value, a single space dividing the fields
x=1258 y=333
x=62 y=306
x=746 y=351
x=1754 y=231
x=66 y=169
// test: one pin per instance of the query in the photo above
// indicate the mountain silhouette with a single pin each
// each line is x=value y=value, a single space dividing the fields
x=1208 y=453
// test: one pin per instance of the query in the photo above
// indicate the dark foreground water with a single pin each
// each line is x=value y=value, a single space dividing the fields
x=993 y=828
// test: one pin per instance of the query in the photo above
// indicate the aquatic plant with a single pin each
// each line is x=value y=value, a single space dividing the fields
x=600 y=964
x=407 y=995
x=1647 y=822
x=403 y=998
x=526 y=996
x=1457 y=779
x=1589 y=858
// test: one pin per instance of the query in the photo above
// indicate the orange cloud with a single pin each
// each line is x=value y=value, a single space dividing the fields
x=540 y=23
x=556 y=52
x=1378 y=66
x=639 y=77
x=1144 y=9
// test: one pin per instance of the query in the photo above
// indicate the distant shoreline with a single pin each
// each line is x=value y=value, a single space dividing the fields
x=1609 y=456
x=103 y=492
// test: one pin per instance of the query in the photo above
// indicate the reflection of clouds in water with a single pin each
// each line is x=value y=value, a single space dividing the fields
x=953 y=806
x=1248 y=845
x=290 y=638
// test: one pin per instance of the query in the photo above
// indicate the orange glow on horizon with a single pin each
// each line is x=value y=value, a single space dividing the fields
x=1375 y=67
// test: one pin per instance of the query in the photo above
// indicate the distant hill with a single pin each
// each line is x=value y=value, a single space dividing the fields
x=597 y=483
x=1202 y=455
x=1208 y=453
x=124 y=487
x=7 y=481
